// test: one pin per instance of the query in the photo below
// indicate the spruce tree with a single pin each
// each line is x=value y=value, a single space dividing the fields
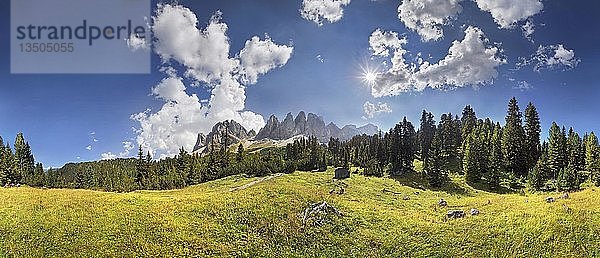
x=592 y=157
x=426 y=133
x=536 y=176
x=556 y=150
x=567 y=179
x=513 y=142
x=495 y=158
x=468 y=121
x=576 y=156
x=475 y=160
x=434 y=166
x=24 y=160
x=141 y=169
x=532 y=135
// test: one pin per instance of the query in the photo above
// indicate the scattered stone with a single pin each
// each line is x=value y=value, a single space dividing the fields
x=342 y=173
x=474 y=212
x=406 y=198
x=417 y=193
x=455 y=214
x=442 y=203
x=565 y=196
x=549 y=199
x=319 y=214
x=18 y=185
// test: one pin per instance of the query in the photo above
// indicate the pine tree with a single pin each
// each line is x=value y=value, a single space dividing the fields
x=24 y=160
x=4 y=165
x=240 y=153
x=576 y=156
x=434 y=166
x=556 y=151
x=513 y=141
x=468 y=121
x=536 y=176
x=592 y=157
x=532 y=135
x=475 y=160
x=141 y=170
x=567 y=179
x=495 y=158
x=426 y=133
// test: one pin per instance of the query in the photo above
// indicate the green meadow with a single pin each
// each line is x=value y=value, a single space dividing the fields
x=262 y=217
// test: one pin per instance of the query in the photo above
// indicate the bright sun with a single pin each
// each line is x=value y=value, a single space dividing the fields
x=370 y=77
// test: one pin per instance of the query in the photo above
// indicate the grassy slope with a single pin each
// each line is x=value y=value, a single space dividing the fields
x=263 y=220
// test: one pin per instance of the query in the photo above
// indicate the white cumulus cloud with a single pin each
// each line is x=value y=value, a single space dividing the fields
x=427 y=17
x=371 y=109
x=260 y=56
x=204 y=54
x=128 y=146
x=469 y=62
x=507 y=13
x=551 y=57
x=320 y=10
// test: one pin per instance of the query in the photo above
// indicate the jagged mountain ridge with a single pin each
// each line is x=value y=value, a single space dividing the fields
x=302 y=124
x=235 y=133
x=310 y=125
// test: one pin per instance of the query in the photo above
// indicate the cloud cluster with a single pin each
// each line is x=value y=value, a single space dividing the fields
x=551 y=57
x=507 y=13
x=318 y=11
x=204 y=54
x=127 y=148
x=469 y=62
x=371 y=109
x=427 y=17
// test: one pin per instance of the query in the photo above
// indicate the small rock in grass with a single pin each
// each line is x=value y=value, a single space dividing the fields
x=549 y=199
x=442 y=203
x=406 y=198
x=474 y=212
x=565 y=196
x=455 y=214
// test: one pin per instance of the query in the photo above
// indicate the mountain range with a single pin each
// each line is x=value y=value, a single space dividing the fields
x=305 y=125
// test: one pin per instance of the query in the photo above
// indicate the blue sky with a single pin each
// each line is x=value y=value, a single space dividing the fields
x=62 y=114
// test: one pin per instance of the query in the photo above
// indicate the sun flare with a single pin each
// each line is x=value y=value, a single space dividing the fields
x=370 y=77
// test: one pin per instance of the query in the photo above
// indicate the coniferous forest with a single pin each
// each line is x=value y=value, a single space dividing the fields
x=488 y=153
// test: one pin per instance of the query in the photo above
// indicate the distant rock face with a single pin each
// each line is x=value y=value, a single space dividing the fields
x=234 y=131
x=310 y=125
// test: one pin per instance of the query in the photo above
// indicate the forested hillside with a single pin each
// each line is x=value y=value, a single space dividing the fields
x=489 y=154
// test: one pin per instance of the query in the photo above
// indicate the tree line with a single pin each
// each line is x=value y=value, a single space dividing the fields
x=484 y=151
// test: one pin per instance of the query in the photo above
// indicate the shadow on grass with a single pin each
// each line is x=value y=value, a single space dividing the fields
x=501 y=189
x=415 y=180
x=453 y=186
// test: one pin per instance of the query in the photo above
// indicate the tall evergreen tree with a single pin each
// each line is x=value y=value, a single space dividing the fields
x=475 y=160
x=24 y=160
x=434 y=166
x=576 y=156
x=592 y=157
x=141 y=169
x=556 y=151
x=513 y=141
x=426 y=133
x=496 y=166
x=468 y=121
x=532 y=135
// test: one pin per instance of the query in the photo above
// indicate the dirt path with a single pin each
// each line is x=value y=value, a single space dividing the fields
x=255 y=182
